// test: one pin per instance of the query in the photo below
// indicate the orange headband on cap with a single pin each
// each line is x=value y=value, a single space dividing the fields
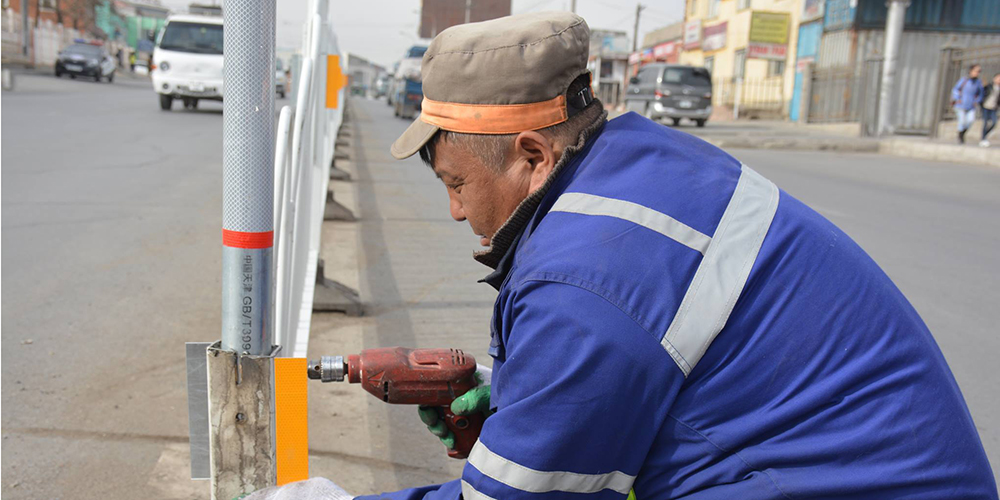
x=493 y=118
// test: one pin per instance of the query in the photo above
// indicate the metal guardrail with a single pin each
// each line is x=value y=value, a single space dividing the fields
x=305 y=142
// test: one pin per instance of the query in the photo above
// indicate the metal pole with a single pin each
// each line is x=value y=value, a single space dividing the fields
x=24 y=28
x=573 y=6
x=247 y=179
x=893 y=37
x=736 y=100
x=468 y=8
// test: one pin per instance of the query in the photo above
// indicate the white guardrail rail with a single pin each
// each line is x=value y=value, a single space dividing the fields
x=302 y=160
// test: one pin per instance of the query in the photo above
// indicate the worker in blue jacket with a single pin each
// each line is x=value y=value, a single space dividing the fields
x=669 y=323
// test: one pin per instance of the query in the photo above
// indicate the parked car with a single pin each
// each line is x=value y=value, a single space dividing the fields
x=86 y=59
x=187 y=61
x=671 y=91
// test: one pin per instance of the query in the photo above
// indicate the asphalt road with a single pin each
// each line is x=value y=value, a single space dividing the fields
x=111 y=261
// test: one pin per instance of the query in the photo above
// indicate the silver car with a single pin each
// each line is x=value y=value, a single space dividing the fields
x=671 y=91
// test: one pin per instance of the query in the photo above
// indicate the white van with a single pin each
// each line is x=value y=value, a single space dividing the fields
x=187 y=61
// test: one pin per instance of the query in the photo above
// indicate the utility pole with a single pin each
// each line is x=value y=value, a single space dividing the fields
x=635 y=30
x=572 y=7
x=24 y=28
x=468 y=9
x=893 y=38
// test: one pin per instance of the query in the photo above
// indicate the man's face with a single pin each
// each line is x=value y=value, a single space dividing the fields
x=974 y=72
x=477 y=193
x=996 y=79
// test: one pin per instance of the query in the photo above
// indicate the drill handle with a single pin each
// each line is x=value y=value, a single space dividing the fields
x=466 y=429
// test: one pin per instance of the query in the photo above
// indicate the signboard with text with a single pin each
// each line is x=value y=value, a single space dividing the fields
x=692 y=35
x=812 y=9
x=665 y=51
x=769 y=27
x=714 y=37
x=771 y=51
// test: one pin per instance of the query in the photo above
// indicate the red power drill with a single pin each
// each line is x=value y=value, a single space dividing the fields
x=426 y=377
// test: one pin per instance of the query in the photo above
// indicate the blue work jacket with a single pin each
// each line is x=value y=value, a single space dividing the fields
x=672 y=323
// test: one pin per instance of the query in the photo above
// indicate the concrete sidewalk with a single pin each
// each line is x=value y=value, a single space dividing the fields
x=844 y=137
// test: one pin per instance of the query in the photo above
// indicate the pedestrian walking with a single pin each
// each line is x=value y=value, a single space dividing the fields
x=991 y=98
x=965 y=96
x=131 y=61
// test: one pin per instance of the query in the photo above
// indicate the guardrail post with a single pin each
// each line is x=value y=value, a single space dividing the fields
x=241 y=366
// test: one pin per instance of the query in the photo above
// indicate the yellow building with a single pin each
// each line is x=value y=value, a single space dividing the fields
x=749 y=47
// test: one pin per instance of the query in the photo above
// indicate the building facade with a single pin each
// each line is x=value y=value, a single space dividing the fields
x=438 y=15
x=608 y=64
x=840 y=52
x=747 y=46
x=659 y=45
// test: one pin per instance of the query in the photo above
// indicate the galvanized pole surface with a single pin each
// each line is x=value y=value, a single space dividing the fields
x=893 y=37
x=248 y=180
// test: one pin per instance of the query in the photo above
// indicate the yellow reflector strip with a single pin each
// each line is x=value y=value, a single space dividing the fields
x=335 y=80
x=290 y=419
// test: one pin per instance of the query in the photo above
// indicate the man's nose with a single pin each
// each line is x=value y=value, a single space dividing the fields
x=457 y=212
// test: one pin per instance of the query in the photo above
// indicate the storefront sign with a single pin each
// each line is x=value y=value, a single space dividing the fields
x=812 y=9
x=647 y=55
x=692 y=35
x=665 y=51
x=769 y=27
x=633 y=58
x=714 y=37
x=772 y=51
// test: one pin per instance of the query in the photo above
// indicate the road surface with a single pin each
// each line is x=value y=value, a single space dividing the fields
x=111 y=261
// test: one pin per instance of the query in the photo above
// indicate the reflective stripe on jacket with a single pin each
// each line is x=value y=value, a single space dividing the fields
x=673 y=323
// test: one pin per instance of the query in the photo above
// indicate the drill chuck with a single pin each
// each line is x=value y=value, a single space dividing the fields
x=327 y=369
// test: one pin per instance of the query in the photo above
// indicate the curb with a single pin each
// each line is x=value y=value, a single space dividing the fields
x=796 y=144
x=904 y=148
x=972 y=155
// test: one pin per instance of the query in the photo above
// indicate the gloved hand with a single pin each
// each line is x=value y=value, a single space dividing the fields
x=476 y=400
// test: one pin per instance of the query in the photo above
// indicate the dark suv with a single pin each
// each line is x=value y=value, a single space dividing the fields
x=671 y=91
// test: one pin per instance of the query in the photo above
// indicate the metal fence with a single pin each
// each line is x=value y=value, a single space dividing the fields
x=750 y=96
x=305 y=147
x=955 y=64
x=835 y=95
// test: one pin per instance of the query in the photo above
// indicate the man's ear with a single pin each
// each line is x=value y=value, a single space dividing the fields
x=536 y=156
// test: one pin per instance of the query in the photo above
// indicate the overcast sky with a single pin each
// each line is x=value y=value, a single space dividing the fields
x=380 y=30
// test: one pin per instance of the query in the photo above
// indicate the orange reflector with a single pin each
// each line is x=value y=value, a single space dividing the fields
x=335 y=80
x=290 y=419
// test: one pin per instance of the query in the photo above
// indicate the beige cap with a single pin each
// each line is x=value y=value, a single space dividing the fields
x=502 y=76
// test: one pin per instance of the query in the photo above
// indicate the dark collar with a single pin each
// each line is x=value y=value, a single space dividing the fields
x=500 y=254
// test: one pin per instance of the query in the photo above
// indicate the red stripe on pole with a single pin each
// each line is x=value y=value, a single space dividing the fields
x=239 y=239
